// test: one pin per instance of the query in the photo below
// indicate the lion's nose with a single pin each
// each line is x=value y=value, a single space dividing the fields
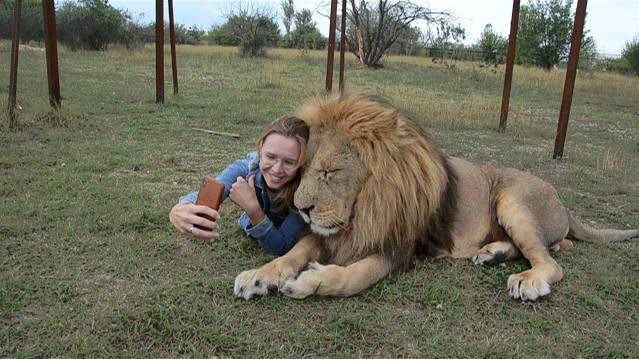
x=307 y=210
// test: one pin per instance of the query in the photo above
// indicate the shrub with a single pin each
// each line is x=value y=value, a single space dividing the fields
x=94 y=24
x=31 y=27
x=220 y=35
x=630 y=54
x=306 y=36
x=251 y=28
x=492 y=46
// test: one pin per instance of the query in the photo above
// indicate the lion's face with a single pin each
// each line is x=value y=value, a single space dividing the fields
x=332 y=179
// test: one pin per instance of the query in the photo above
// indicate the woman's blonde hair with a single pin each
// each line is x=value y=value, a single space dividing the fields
x=291 y=127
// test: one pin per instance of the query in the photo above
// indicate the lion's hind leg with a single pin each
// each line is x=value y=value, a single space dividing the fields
x=495 y=253
x=523 y=228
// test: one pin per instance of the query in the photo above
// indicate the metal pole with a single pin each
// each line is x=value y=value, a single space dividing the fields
x=51 y=45
x=159 y=51
x=331 y=47
x=342 y=46
x=173 y=59
x=571 y=73
x=13 y=76
x=510 y=61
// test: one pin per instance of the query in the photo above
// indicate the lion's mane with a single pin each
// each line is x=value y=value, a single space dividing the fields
x=409 y=199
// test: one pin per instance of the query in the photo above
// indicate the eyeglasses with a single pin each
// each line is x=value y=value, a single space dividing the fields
x=270 y=160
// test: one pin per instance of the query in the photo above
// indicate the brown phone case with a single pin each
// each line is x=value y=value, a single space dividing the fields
x=211 y=193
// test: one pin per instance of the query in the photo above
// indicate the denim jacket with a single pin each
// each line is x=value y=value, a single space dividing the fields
x=278 y=232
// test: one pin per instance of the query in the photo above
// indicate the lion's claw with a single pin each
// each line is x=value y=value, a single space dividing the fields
x=525 y=286
x=251 y=283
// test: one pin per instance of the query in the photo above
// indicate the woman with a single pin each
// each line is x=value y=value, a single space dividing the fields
x=263 y=185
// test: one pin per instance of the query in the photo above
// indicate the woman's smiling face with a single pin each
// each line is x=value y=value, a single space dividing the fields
x=279 y=160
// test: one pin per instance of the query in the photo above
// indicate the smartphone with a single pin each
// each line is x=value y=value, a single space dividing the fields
x=211 y=195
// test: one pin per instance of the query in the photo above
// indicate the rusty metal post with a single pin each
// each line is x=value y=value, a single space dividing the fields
x=13 y=76
x=571 y=73
x=510 y=61
x=331 y=47
x=159 y=51
x=173 y=59
x=51 y=46
x=342 y=46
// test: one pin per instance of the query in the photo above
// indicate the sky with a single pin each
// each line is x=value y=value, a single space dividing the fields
x=612 y=23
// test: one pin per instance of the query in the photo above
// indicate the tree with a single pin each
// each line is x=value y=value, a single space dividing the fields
x=288 y=8
x=31 y=28
x=444 y=40
x=375 y=29
x=492 y=46
x=588 y=53
x=407 y=42
x=194 y=34
x=630 y=54
x=93 y=25
x=306 y=35
x=252 y=28
x=221 y=35
x=545 y=28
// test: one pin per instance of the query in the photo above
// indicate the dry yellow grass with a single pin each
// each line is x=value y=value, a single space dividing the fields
x=611 y=162
x=608 y=84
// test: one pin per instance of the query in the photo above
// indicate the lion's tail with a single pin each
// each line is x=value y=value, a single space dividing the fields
x=586 y=233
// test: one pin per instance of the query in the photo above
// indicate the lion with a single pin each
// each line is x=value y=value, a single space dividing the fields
x=377 y=192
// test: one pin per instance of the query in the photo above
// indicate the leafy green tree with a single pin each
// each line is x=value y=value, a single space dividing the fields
x=288 y=9
x=545 y=28
x=93 y=25
x=306 y=35
x=195 y=34
x=588 y=53
x=407 y=42
x=492 y=45
x=253 y=29
x=444 y=40
x=221 y=35
x=31 y=28
x=630 y=54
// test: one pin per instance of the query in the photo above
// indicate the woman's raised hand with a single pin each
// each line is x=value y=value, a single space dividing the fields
x=187 y=218
x=243 y=194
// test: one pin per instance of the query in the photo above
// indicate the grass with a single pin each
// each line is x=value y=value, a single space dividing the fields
x=91 y=267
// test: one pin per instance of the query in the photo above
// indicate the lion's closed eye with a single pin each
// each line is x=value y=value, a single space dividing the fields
x=329 y=174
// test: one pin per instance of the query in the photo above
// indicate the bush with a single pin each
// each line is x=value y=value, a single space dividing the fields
x=614 y=65
x=194 y=34
x=630 y=55
x=408 y=42
x=220 y=35
x=94 y=24
x=250 y=28
x=492 y=46
x=306 y=36
x=31 y=27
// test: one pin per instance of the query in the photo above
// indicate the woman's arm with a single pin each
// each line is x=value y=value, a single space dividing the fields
x=239 y=168
x=276 y=240
x=186 y=216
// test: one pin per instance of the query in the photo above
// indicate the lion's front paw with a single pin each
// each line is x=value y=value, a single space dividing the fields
x=251 y=283
x=307 y=283
x=527 y=286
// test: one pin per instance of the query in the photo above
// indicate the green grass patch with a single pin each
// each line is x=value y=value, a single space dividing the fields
x=91 y=267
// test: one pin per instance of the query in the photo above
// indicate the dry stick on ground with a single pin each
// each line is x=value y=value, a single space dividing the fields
x=234 y=135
